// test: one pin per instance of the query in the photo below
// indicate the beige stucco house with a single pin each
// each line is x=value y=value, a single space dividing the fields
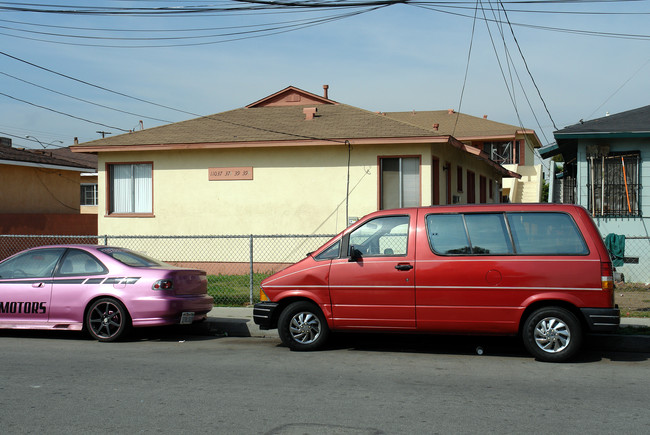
x=39 y=194
x=511 y=146
x=290 y=163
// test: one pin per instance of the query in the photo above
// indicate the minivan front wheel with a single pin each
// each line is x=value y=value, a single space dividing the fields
x=552 y=334
x=302 y=326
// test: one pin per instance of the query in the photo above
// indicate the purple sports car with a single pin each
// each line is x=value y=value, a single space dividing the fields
x=103 y=290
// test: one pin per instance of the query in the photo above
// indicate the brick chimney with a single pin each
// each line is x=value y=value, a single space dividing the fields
x=5 y=142
x=309 y=112
x=325 y=93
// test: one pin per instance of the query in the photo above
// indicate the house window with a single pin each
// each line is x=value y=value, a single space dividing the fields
x=130 y=188
x=613 y=186
x=89 y=194
x=459 y=178
x=502 y=152
x=482 y=189
x=400 y=182
x=471 y=187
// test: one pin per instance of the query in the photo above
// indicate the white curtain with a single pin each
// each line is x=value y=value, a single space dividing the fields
x=143 y=202
x=131 y=188
x=410 y=182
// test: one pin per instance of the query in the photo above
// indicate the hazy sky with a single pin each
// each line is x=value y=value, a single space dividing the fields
x=398 y=57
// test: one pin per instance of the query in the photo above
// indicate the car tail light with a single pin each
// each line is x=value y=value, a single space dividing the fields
x=607 y=278
x=163 y=284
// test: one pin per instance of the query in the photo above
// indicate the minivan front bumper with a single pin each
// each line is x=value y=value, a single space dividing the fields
x=602 y=319
x=263 y=315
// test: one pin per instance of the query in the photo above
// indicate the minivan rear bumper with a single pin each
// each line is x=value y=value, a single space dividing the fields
x=263 y=315
x=602 y=319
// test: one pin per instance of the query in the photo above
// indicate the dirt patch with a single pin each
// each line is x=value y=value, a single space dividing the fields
x=633 y=301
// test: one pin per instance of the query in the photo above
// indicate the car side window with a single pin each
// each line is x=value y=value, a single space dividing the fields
x=546 y=234
x=33 y=264
x=385 y=236
x=78 y=262
x=447 y=234
x=469 y=234
x=488 y=234
x=330 y=253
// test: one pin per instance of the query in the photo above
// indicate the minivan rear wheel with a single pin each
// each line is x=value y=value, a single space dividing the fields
x=302 y=326
x=552 y=334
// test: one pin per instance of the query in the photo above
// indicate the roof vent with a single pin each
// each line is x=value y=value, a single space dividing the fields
x=451 y=111
x=325 y=88
x=5 y=142
x=309 y=112
x=484 y=116
x=436 y=126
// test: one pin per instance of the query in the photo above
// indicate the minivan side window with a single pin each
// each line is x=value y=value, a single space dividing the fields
x=385 y=236
x=330 y=253
x=546 y=234
x=447 y=234
x=488 y=234
x=478 y=234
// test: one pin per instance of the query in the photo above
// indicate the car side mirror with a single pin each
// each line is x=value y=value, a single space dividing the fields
x=355 y=254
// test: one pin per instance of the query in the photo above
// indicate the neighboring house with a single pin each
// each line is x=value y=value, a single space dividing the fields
x=606 y=166
x=291 y=163
x=39 y=192
x=511 y=146
x=88 y=188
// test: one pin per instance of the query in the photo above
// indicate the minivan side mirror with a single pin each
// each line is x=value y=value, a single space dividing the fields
x=355 y=254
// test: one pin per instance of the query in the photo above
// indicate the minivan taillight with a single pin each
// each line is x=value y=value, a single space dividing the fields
x=607 y=276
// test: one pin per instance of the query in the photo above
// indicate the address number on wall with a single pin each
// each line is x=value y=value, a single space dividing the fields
x=217 y=174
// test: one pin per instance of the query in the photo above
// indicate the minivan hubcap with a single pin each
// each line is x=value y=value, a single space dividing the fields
x=305 y=327
x=552 y=335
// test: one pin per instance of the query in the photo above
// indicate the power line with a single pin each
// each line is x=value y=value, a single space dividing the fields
x=84 y=101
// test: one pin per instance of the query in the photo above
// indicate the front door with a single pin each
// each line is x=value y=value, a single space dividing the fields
x=373 y=286
x=26 y=287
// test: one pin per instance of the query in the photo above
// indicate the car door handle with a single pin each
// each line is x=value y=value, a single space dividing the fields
x=404 y=266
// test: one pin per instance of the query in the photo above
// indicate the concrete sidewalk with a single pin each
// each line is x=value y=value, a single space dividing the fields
x=238 y=322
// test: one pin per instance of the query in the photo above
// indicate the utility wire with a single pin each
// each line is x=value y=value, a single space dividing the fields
x=85 y=101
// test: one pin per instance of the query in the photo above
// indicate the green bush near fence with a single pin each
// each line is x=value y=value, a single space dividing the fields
x=234 y=290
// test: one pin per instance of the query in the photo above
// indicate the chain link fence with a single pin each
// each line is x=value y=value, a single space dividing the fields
x=235 y=264
x=636 y=262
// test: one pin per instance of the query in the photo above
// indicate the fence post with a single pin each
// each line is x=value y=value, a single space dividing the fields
x=250 y=256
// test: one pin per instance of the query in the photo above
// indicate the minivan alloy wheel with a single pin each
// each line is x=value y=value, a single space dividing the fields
x=302 y=326
x=552 y=335
x=305 y=327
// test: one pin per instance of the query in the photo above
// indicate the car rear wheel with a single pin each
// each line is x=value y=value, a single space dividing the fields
x=107 y=319
x=302 y=326
x=552 y=334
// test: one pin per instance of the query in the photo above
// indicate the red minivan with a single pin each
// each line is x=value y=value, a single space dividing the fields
x=540 y=271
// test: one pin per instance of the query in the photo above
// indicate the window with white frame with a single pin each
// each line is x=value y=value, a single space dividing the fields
x=504 y=153
x=613 y=185
x=89 y=194
x=130 y=188
x=400 y=182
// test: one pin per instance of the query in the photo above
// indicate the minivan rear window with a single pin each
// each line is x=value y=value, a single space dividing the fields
x=504 y=234
x=546 y=234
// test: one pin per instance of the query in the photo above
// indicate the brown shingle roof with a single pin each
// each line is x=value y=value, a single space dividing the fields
x=332 y=122
x=41 y=157
x=455 y=124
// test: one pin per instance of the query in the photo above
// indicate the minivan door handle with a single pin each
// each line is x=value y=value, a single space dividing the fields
x=403 y=266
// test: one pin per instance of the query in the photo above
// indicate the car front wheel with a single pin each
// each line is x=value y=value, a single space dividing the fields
x=302 y=326
x=552 y=334
x=107 y=319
